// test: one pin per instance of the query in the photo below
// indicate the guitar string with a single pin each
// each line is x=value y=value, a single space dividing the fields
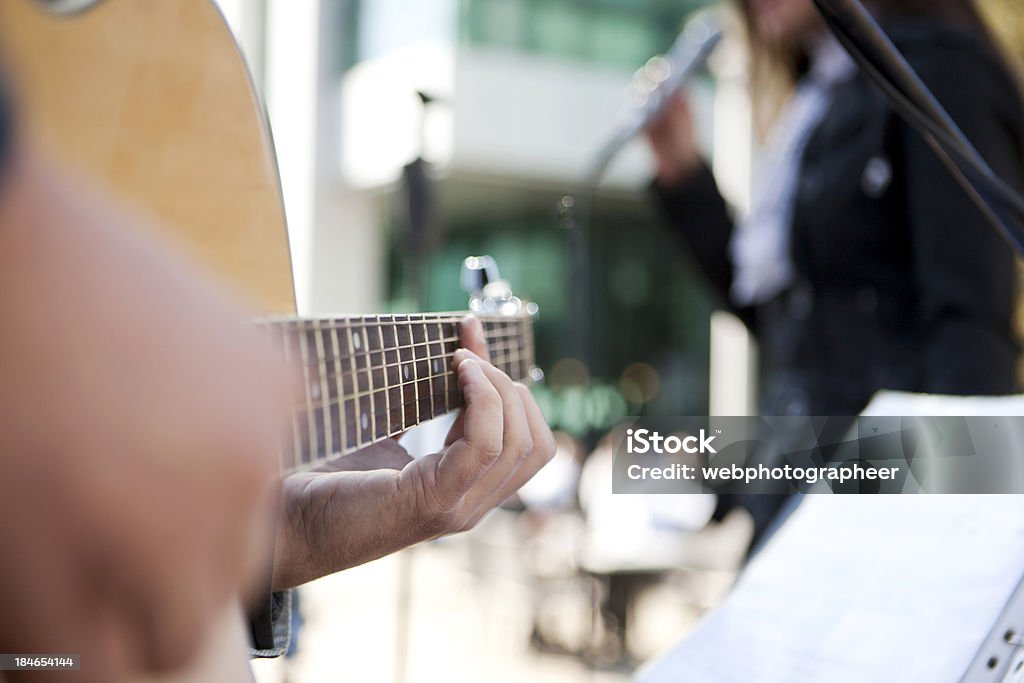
x=504 y=356
x=503 y=349
x=335 y=379
x=395 y=318
x=321 y=432
x=352 y=434
x=498 y=344
x=331 y=323
x=408 y=327
x=496 y=338
x=502 y=352
x=380 y=376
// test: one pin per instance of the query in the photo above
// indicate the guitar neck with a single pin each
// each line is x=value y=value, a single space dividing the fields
x=370 y=378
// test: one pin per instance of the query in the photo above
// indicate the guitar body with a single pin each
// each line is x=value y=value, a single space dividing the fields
x=151 y=102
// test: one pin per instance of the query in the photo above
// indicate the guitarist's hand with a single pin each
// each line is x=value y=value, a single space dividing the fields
x=138 y=437
x=352 y=511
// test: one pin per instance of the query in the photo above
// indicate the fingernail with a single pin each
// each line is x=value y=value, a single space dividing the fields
x=469 y=366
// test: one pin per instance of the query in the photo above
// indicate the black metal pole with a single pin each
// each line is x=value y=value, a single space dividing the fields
x=877 y=56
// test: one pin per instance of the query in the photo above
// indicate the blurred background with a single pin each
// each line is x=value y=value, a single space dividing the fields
x=413 y=134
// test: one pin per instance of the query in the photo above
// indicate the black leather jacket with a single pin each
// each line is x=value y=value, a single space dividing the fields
x=901 y=282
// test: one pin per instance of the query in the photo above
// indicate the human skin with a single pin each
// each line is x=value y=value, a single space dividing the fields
x=140 y=417
x=372 y=503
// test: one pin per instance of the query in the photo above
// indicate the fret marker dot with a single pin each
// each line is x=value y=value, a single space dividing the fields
x=314 y=391
x=437 y=365
x=355 y=340
x=365 y=421
x=405 y=371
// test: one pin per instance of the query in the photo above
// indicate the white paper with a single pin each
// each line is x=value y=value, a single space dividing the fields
x=864 y=589
x=901 y=404
x=869 y=588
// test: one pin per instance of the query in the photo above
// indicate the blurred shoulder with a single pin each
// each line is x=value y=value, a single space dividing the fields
x=954 y=58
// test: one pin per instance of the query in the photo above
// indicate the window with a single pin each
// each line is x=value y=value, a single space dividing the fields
x=559 y=27
x=622 y=37
x=615 y=32
x=650 y=313
x=495 y=22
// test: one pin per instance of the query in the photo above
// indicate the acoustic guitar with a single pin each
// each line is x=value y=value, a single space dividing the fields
x=151 y=102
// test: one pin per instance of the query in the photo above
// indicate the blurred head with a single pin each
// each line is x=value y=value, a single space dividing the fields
x=780 y=23
x=784 y=25
x=779 y=33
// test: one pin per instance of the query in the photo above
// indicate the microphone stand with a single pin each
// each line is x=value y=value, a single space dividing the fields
x=699 y=38
x=876 y=55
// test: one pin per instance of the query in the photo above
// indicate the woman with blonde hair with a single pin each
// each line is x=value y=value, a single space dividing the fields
x=861 y=265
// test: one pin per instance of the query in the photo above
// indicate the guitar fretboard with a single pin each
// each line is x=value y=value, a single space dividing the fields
x=369 y=378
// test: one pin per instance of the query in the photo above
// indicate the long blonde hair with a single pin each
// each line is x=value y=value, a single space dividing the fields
x=775 y=68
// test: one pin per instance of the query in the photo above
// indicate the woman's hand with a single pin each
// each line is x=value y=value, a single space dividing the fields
x=347 y=513
x=672 y=141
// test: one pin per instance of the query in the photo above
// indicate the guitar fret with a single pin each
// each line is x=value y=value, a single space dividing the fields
x=387 y=375
x=291 y=350
x=380 y=379
x=354 y=420
x=365 y=427
x=320 y=395
x=325 y=407
x=432 y=365
x=428 y=372
x=440 y=351
x=389 y=354
x=293 y=441
x=342 y=435
x=381 y=410
x=406 y=354
x=307 y=454
x=365 y=403
x=371 y=422
x=416 y=373
x=298 y=442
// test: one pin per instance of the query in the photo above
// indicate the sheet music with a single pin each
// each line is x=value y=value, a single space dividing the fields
x=863 y=589
x=903 y=404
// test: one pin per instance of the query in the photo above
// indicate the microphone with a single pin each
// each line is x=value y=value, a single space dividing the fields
x=656 y=83
x=652 y=88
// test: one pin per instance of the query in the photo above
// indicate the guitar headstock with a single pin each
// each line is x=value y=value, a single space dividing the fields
x=507 y=319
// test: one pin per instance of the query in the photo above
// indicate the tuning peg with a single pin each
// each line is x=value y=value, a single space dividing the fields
x=477 y=273
x=488 y=293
